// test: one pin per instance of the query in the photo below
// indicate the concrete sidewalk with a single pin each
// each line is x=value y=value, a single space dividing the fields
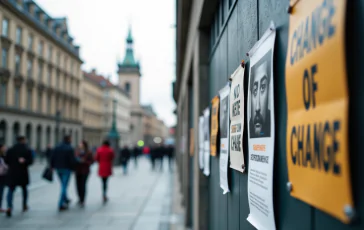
x=141 y=200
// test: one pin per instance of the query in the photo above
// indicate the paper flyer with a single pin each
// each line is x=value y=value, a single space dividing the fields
x=261 y=127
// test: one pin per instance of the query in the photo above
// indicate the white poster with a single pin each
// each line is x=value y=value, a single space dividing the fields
x=237 y=120
x=224 y=138
x=261 y=132
x=201 y=141
x=206 y=124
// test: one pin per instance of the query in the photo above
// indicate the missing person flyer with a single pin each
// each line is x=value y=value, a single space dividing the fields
x=260 y=120
x=224 y=138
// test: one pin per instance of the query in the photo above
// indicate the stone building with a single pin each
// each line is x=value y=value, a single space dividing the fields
x=92 y=110
x=97 y=127
x=152 y=126
x=129 y=80
x=40 y=76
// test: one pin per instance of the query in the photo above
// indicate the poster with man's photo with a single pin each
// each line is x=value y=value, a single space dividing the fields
x=224 y=138
x=261 y=132
x=206 y=127
x=201 y=138
x=237 y=120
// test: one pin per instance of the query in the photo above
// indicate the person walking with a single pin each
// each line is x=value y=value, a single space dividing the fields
x=124 y=158
x=136 y=154
x=18 y=158
x=105 y=156
x=84 y=161
x=170 y=155
x=63 y=161
x=153 y=156
x=3 y=172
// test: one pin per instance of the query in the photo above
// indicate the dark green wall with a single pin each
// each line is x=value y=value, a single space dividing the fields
x=246 y=21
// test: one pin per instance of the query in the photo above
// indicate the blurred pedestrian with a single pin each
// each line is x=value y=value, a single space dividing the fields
x=160 y=152
x=153 y=156
x=105 y=156
x=124 y=158
x=3 y=172
x=84 y=160
x=146 y=150
x=63 y=161
x=170 y=155
x=18 y=158
x=136 y=153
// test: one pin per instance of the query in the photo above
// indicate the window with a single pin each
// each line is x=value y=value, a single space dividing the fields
x=17 y=64
x=58 y=57
x=3 y=95
x=127 y=87
x=39 y=103
x=18 y=35
x=50 y=53
x=58 y=79
x=40 y=71
x=49 y=105
x=57 y=103
x=71 y=67
x=17 y=97
x=29 y=68
x=65 y=63
x=4 y=58
x=5 y=27
x=49 y=76
x=29 y=99
x=30 y=42
x=40 y=48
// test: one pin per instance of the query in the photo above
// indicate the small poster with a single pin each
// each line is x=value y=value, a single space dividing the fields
x=237 y=120
x=261 y=132
x=201 y=139
x=317 y=106
x=192 y=143
x=214 y=125
x=224 y=138
x=206 y=126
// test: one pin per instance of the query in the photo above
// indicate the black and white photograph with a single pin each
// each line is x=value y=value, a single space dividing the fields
x=260 y=113
x=224 y=116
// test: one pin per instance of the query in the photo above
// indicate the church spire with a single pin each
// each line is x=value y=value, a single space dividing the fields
x=129 y=60
x=129 y=64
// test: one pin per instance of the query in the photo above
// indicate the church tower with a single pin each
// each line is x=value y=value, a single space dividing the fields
x=129 y=72
x=129 y=80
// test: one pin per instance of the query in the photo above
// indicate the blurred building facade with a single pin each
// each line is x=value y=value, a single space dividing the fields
x=153 y=127
x=40 y=74
x=93 y=110
x=98 y=95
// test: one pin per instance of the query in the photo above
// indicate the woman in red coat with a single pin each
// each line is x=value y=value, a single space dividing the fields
x=105 y=156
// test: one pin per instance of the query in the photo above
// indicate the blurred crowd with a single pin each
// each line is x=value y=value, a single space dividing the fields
x=64 y=160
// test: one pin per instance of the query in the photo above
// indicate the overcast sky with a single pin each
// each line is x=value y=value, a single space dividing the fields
x=100 y=28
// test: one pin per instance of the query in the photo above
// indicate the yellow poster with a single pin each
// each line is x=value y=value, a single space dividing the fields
x=317 y=97
x=192 y=143
x=214 y=125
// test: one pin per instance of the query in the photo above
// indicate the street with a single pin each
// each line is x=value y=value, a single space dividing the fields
x=140 y=200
